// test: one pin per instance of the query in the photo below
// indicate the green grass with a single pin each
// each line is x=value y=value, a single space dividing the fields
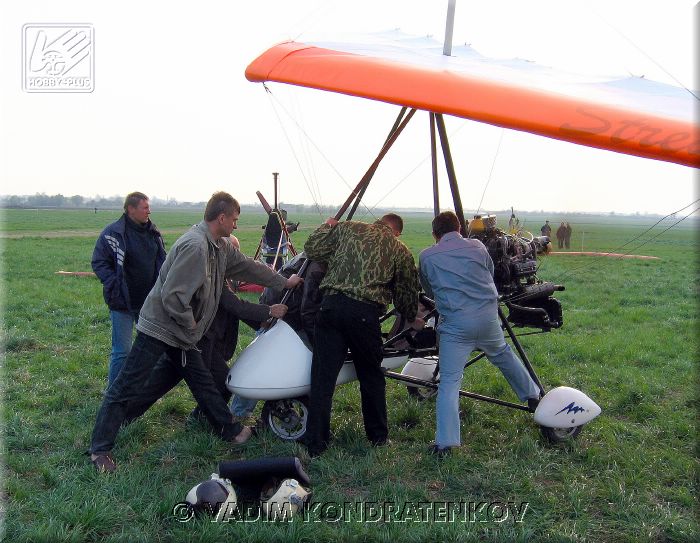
x=629 y=341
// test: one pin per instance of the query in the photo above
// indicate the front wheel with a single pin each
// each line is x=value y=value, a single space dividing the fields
x=561 y=435
x=287 y=418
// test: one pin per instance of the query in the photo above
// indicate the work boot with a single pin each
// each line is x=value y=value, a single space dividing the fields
x=104 y=463
x=244 y=435
x=439 y=452
x=532 y=403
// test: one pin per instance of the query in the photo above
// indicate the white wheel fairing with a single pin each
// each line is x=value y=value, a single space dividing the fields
x=348 y=373
x=420 y=368
x=565 y=407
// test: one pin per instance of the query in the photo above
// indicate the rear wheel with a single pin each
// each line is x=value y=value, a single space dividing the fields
x=424 y=370
x=561 y=435
x=286 y=418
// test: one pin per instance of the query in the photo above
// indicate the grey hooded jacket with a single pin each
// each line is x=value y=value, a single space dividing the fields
x=182 y=303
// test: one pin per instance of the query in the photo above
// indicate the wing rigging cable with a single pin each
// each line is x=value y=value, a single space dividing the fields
x=427 y=156
x=304 y=146
x=313 y=143
x=617 y=250
x=412 y=171
x=315 y=16
x=642 y=51
x=397 y=185
x=296 y=158
x=493 y=165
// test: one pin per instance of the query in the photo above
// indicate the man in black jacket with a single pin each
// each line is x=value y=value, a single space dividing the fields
x=127 y=257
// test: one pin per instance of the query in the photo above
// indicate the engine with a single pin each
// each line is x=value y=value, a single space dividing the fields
x=528 y=299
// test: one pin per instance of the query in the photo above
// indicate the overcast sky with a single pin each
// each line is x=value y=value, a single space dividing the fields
x=172 y=114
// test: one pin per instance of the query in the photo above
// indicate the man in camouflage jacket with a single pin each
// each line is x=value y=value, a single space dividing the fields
x=368 y=268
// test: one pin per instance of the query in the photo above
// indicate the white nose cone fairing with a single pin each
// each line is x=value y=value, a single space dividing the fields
x=565 y=407
x=277 y=365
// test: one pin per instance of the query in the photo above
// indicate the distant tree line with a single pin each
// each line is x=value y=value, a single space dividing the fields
x=42 y=200
x=59 y=201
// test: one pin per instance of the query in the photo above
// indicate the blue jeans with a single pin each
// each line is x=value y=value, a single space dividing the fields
x=455 y=347
x=242 y=407
x=122 y=336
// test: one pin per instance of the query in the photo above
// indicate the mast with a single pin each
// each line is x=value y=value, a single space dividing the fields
x=437 y=119
x=449 y=26
x=275 y=174
x=451 y=175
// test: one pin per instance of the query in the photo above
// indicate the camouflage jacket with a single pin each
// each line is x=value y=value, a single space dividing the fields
x=368 y=263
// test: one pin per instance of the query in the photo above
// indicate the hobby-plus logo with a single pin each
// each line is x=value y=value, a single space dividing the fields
x=58 y=57
x=571 y=408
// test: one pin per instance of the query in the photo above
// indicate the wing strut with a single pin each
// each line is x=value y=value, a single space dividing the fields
x=451 y=172
x=361 y=186
x=391 y=132
x=433 y=156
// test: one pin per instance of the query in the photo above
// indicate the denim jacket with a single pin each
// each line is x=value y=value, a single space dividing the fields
x=458 y=274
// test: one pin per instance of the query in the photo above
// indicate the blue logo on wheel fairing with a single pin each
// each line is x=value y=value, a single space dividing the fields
x=571 y=408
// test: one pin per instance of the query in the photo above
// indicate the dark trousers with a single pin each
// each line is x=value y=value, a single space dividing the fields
x=343 y=323
x=135 y=385
x=168 y=373
x=213 y=357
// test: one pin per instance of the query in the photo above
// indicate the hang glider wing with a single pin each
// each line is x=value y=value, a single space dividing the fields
x=629 y=115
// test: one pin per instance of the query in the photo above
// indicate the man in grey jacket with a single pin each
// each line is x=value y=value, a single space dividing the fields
x=176 y=314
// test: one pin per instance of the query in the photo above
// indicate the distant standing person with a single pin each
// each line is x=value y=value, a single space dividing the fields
x=546 y=229
x=127 y=257
x=513 y=223
x=561 y=235
x=567 y=236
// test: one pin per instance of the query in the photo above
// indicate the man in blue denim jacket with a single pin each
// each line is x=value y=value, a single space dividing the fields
x=127 y=257
x=458 y=274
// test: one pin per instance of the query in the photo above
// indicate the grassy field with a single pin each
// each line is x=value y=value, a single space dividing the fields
x=629 y=341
